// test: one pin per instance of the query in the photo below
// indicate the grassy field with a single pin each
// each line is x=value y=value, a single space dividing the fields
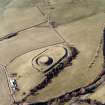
x=26 y=41
x=5 y=98
x=80 y=23
x=68 y=80
x=99 y=94
x=14 y=18
x=18 y=14
x=85 y=39
x=26 y=74
x=76 y=103
x=63 y=12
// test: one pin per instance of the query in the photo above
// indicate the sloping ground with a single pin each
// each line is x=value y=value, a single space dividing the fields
x=75 y=103
x=22 y=66
x=5 y=97
x=26 y=41
x=99 y=94
x=26 y=73
x=66 y=11
x=14 y=18
x=85 y=35
x=19 y=14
